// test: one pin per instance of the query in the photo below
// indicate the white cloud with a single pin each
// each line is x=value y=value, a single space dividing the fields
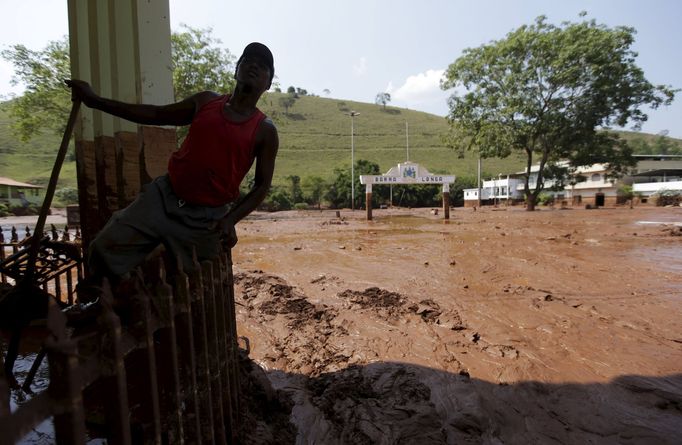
x=420 y=87
x=360 y=68
x=421 y=92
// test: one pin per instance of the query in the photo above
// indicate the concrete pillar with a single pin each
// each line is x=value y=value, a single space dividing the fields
x=446 y=201
x=368 y=201
x=122 y=47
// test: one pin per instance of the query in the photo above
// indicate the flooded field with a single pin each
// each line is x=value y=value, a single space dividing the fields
x=499 y=326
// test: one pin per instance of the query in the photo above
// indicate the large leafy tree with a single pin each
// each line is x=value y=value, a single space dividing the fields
x=46 y=101
x=550 y=93
x=339 y=191
x=198 y=64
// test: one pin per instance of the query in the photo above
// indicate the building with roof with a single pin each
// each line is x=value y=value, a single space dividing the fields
x=652 y=175
x=20 y=194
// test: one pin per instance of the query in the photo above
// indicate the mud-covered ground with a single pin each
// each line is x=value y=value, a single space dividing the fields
x=499 y=326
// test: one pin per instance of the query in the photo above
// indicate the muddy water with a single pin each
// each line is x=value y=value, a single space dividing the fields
x=497 y=327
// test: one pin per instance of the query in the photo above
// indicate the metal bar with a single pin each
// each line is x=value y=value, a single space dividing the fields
x=112 y=368
x=187 y=357
x=51 y=187
x=224 y=351
x=65 y=381
x=201 y=348
x=213 y=352
x=233 y=334
x=141 y=324
x=167 y=357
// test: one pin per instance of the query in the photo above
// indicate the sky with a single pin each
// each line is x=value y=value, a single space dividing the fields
x=356 y=49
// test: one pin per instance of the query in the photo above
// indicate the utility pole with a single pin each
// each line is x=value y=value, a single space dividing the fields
x=352 y=115
x=407 y=140
x=479 y=181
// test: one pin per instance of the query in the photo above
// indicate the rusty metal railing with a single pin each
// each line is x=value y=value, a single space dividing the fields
x=159 y=359
x=61 y=284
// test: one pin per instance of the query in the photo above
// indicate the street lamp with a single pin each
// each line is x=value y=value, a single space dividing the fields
x=352 y=115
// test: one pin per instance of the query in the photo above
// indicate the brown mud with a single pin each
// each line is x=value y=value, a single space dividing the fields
x=499 y=326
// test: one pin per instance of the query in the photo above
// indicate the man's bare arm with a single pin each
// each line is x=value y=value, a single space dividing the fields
x=178 y=113
x=265 y=168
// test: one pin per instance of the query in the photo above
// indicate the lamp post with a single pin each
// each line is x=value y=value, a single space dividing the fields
x=352 y=115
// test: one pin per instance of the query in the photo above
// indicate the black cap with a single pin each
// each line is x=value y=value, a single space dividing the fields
x=258 y=49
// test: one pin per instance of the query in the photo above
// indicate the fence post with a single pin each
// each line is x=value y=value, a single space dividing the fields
x=214 y=351
x=65 y=380
x=141 y=328
x=234 y=348
x=201 y=348
x=187 y=356
x=166 y=353
x=3 y=278
x=113 y=371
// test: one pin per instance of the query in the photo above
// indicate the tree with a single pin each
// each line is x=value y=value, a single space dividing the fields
x=326 y=92
x=314 y=187
x=198 y=64
x=287 y=102
x=339 y=192
x=46 y=100
x=548 y=92
x=295 y=193
x=382 y=99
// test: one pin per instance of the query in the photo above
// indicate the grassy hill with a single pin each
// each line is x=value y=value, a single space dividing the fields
x=31 y=161
x=314 y=140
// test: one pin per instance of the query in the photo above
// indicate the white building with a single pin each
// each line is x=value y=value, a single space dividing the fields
x=652 y=174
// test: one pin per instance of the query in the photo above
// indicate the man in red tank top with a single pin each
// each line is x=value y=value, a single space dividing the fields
x=197 y=203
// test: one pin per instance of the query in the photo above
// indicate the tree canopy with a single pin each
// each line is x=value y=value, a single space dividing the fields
x=382 y=99
x=551 y=92
x=198 y=64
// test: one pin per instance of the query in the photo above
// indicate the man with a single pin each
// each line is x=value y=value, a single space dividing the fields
x=196 y=204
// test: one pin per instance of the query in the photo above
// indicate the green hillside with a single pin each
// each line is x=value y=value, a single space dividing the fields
x=314 y=140
x=31 y=161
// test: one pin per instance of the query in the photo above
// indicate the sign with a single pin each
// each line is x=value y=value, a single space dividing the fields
x=431 y=179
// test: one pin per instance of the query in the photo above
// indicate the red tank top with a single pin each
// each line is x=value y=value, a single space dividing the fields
x=214 y=157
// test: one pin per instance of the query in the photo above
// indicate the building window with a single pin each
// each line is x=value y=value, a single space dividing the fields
x=596 y=177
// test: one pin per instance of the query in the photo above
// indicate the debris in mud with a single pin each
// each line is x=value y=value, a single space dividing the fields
x=387 y=406
x=673 y=230
x=375 y=298
x=305 y=348
x=502 y=351
x=335 y=222
x=265 y=412
x=427 y=309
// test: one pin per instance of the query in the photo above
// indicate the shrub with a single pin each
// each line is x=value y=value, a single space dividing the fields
x=545 y=199
x=67 y=195
x=668 y=197
x=276 y=200
x=300 y=206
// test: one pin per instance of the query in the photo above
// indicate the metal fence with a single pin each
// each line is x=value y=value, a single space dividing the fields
x=159 y=360
x=62 y=284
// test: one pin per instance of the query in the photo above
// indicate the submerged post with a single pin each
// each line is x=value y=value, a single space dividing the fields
x=368 y=200
x=446 y=201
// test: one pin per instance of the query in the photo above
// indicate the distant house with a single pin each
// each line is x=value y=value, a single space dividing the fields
x=653 y=174
x=19 y=194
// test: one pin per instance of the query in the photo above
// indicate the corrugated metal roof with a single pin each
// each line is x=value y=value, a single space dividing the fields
x=12 y=182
